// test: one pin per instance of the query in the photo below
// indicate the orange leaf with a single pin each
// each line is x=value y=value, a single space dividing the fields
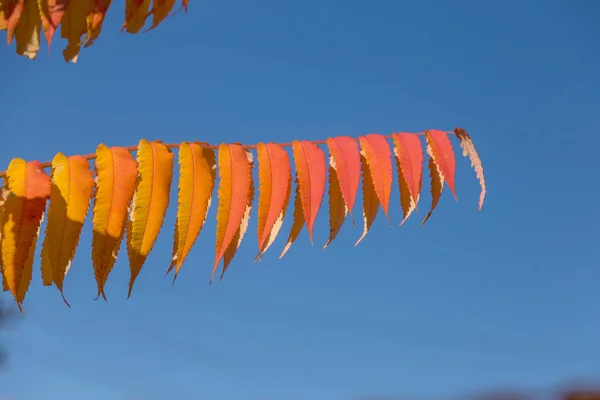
x=10 y=13
x=234 y=189
x=440 y=149
x=297 y=223
x=239 y=235
x=51 y=12
x=310 y=188
x=310 y=168
x=150 y=202
x=197 y=176
x=376 y=151
x=27 y=33
x=135 y=15
x=409 y=160
x=469 y=150
x=28 y=190
x=116 y=172
x=72 y=186
x=274 y=175
x=345 y=159
x=370 y=199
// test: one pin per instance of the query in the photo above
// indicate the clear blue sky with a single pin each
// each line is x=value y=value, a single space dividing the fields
x=508 y=297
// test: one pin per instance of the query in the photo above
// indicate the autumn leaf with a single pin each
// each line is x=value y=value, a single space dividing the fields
x=27 y=33
x=344 y=157
x=440 y=150
x=150 y=202
x=469 y=150
x=197 y=167
x=94 y=20
x=74 y=25
x=239 y=235
x=274 y=176
x=116 y=172
x=135 y=15
x=370 y=199
x=310 y=182
x=442 y=166
x=376 y=152
x=409 y=161
x=71 y=192
x=344 y=179
x=160 y=10
x=51 y=13
x=28 y=190
x=235 y=182
x=10 y=14
x=437 y=184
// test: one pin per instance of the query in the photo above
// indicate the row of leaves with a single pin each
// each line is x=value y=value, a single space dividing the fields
x=141 y=188
x=80 y=21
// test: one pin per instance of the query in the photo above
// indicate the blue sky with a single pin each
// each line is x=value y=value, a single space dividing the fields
x=503 y=298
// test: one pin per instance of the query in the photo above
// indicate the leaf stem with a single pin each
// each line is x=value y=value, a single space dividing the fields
x=92 y=156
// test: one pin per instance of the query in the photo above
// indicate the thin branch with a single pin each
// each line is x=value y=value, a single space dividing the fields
x=131 y=149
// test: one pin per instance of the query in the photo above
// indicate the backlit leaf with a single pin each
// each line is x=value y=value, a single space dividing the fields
x=469 y=150
x=376 y=151
x=345 y=159
x=116 y=173
x=72 y=186
x=440 y=150
x=10 y=13
x=239 y=235
x=28 y=190
x=274 y=175
x=310 y=188
x=150 y=202
x=197 y=166
x=409 y=161
x=235 y=180
x=51 y=13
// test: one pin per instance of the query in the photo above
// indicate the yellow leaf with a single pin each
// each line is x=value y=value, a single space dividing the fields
x=29 y=189
x=116 y=172
x=197 y=166
x=72 y=186
x=150 y=202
